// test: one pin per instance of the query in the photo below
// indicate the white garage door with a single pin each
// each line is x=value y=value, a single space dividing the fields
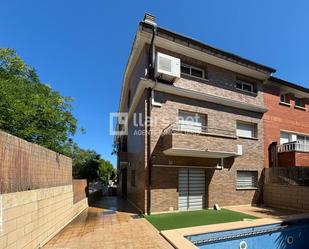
x=191 y=186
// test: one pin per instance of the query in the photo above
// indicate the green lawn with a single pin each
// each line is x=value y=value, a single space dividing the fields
x=194 y=218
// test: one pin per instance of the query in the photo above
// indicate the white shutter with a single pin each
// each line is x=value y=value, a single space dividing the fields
x=246 y=179
x=183 y=189
x=245 y=130
x=191 y=184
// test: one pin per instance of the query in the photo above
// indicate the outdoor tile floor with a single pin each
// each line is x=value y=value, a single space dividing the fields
x=111 y=224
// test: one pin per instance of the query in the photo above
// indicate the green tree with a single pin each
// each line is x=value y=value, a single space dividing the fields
x=32 y=110
x=106 y=171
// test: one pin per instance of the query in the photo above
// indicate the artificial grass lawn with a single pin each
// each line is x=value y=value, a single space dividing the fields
x=195 y=218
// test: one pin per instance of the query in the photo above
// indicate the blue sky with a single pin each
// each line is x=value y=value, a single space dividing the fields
x=81 y=47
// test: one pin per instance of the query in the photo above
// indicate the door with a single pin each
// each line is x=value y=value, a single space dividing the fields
x=191 y=187
x=124 y=182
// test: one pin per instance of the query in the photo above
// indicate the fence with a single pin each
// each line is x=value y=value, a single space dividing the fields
x=80 y=190
x=27 y=166
x=298 y=176
x=287 y=187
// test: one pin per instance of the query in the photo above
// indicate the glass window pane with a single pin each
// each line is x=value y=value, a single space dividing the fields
x=238 y=85
x=197 y=72
x=247 y=87
x=185 y=69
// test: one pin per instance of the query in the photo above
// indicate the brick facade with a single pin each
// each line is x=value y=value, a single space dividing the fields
x=220 y=184
x=283 y=117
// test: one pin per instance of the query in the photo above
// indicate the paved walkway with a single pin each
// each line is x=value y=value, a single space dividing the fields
x=111 y=224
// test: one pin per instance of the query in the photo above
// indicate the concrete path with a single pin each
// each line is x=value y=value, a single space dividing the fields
x=112 y=224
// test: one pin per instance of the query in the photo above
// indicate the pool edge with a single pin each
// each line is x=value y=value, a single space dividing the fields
x=176 y=237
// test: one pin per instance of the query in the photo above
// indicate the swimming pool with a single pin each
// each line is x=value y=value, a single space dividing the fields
x=287 y=235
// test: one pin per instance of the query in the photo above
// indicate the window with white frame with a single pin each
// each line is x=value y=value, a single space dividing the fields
x=246 y=130
x=289 y=137
x=299 y=102
x=192 y=71
x=283 y=99
x=247 y=179
x=244 y=86
x=191 y=122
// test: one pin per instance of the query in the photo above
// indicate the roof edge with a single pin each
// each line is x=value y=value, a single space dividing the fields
x=289 y=84
x=210 y=48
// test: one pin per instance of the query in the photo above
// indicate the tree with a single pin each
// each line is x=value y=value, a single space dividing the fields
x=30 y=109
x=33 y=111
x=106 y=171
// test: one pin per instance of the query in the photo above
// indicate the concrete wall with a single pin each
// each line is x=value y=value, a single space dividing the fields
x=33 y=217
x=27 y=166
x=286 y=196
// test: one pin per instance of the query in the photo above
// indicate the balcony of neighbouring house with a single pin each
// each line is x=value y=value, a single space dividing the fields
x=293 y=154
x=192 y=140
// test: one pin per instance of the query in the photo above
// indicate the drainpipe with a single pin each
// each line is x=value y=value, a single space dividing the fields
x=150 y=19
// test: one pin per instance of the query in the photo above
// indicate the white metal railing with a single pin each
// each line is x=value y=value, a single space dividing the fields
x=293 y=146
x=196 y=128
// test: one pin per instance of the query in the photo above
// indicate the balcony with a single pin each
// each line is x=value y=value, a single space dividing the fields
x=193 y=140
x=293 y=154
x=293 y=146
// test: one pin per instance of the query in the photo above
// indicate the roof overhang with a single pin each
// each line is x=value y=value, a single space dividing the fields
x=289 y=87
x=198 y=153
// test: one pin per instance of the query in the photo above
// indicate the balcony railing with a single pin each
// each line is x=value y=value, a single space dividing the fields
x=293 y=146
x=196 y=128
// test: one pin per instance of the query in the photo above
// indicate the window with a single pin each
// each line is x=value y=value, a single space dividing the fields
x=129 y=98
x=248 y=130
x=244 y=86
x=191 y=122
x=192 y=71
x=247 y=179
x=283 y=99
x=299 y=102
x=133 y=176
x=289 y=137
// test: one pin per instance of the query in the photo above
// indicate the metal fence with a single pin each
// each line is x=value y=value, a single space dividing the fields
x=298 y=176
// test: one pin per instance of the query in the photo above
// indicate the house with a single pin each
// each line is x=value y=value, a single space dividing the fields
x=193 y=133
x=286 y=124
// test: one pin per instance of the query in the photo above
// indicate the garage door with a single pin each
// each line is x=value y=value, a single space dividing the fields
x=191 y=186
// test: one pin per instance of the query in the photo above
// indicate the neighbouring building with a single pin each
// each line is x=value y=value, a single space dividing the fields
x=286 y=124
x=204 y=143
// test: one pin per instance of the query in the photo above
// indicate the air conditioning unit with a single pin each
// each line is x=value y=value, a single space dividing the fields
x=167 y=67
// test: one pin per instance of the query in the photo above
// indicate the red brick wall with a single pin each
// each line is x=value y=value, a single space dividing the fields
x=26 y=166
x=281 y=117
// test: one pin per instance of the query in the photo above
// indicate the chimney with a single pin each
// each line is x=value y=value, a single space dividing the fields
x=150 y=19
